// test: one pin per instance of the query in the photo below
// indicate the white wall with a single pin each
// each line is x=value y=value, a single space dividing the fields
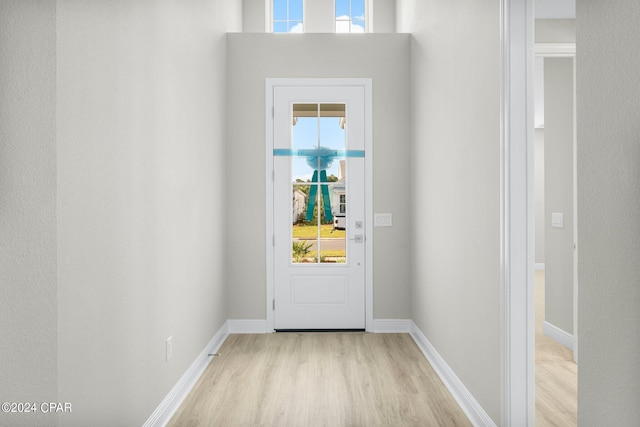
x=555 y=9
x=253 y=16
x=383 y=16
x=319 y=16
x=113 y=173
x=28 y=335
x=546 y=31
x=253 y=58
x=455 y=68
x=555 y=30
x=608 y=101
x=558 y=191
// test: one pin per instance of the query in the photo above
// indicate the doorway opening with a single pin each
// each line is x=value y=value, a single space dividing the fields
x=556 y=282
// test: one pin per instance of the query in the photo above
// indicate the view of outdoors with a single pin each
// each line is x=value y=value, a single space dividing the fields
x=350 y=16
x=319 y=183
x=288 y=16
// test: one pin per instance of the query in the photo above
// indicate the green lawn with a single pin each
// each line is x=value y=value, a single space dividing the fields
x=311 y=231
x=340 y=253
x=337 y=256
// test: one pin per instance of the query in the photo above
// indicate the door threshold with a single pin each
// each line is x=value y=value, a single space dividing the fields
x=319 y=330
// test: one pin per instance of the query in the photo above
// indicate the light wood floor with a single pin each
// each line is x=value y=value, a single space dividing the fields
x=319 y=379
x=556 y=373
x=354 y=379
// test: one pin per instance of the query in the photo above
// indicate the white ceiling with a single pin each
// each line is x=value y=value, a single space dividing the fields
x=546 y=9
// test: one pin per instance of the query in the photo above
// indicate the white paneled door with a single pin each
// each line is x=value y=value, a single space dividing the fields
x=319 y=207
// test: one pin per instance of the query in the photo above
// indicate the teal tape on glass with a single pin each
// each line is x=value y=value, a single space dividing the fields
x=317 y=152
x=319 y=159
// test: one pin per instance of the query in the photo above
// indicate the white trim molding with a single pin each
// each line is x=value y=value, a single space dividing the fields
x=170 y=404
x=539 y=266
x=474 y=411
x=557 y=50
x=516 y=213
x=391 y=326
x=559 y=335
x=248 y=326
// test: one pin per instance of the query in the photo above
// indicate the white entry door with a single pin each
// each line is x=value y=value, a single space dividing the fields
x=319 y=207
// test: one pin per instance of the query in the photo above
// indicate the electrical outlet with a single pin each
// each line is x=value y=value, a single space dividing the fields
x=169 y=348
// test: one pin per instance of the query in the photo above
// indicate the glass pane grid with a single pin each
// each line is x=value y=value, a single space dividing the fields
x=350 y=16
x=280 y=10
x=318 y=187
x=288 y=16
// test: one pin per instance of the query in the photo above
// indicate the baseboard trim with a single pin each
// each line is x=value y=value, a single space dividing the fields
x=391 y=326
x=247 y=326
x=170 y=404
x=460 y=393
x=559 y=335
x=539 y=266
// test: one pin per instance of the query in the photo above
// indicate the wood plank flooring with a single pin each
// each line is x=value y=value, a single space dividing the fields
x=556 y=373
x=319 y=379
x=354 y=379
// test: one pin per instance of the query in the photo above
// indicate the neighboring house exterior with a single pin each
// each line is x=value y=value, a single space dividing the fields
x=337 y=190
x=338 y=193
x=299 y=204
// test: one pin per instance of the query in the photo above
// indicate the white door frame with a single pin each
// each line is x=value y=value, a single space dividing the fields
x=568 y=50
x=271 y=83
x=517 y=213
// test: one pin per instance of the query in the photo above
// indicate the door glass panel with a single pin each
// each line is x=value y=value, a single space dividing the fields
x=305 y=126
x=304 y=186
x=319 y=183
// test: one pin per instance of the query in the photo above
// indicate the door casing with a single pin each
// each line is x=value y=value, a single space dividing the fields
x=366 y=83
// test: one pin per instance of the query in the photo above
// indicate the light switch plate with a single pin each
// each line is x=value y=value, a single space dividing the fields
x=169 y=348
x=557 y=220
x=382 y=220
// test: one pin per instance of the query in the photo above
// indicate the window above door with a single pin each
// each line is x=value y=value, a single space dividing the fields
x=287 y=16
x=318 y=16
x=350 y=16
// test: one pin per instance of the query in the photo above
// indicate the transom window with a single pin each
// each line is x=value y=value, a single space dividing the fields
x=350 y=16
x=288 y=16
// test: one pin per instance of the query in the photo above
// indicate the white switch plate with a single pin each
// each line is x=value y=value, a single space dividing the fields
x=557 y=220
x=169 y=348
x=382 y=220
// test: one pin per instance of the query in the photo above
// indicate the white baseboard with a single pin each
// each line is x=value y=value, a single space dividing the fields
x=179 y=392
x=391 y=326
x=247 y=326
x=539 y=266
x=460 y=393
x=557 y=334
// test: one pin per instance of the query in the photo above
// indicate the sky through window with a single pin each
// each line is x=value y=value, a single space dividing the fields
x=350 y=16
x=288 y=16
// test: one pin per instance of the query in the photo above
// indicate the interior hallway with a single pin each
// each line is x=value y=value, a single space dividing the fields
x=121 y=210
x=556 y=373
x=319 y=379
